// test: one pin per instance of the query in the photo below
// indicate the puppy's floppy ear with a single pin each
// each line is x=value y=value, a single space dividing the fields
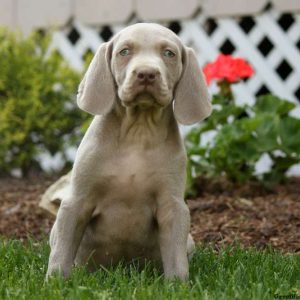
x=96 y=91
x=192 y=102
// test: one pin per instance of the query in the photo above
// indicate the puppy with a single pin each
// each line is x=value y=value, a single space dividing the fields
x=127 y=185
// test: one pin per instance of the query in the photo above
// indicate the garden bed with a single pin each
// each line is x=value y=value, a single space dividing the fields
x=223 y=213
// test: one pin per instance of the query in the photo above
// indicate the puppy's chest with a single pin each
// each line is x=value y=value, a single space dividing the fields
x=127 y=199
x=131 y=173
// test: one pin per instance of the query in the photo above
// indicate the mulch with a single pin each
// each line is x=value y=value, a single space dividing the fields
x=249 y=214
x=222 y=214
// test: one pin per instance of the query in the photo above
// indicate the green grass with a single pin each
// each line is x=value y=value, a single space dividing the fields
x=233 y=273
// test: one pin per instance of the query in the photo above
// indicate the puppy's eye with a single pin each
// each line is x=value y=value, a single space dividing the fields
x=124 y=52
x=168 y=53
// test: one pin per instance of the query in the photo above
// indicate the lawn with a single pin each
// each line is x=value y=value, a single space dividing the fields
x=232 y=273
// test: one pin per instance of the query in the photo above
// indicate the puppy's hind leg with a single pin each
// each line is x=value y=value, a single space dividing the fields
x=53 y=234
x=66 y=235
x=190 y=247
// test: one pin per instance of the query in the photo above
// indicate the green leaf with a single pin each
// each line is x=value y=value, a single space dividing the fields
x=267 y=132
x=282 y=164
x=289 y=132
x=195 y=150
x=273 y=104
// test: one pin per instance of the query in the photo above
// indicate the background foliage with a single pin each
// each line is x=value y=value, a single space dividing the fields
x=38 y=111
x=242 y=135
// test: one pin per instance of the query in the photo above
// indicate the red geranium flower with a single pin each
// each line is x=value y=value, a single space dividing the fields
x=228 y=68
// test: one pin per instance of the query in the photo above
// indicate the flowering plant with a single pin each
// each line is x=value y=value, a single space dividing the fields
x=227 y=70
x=242 y=134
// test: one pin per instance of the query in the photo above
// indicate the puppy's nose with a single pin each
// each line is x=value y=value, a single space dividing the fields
x=146 y=75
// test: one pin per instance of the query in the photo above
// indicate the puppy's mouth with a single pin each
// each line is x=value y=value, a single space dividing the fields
x=146 y=89
x=143 y=99
x=144 y=94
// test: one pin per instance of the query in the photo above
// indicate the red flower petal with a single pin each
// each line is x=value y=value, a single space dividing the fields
x=225 y=67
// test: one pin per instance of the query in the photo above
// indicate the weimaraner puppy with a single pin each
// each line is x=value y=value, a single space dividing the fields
x=128 y=179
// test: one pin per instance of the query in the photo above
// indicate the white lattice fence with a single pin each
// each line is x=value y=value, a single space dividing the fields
x=269 y=41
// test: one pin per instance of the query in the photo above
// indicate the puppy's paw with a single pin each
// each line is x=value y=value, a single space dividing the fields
x=179 y=275
x=57 y=270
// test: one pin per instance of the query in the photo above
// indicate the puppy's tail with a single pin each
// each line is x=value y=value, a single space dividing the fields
x=55 y=193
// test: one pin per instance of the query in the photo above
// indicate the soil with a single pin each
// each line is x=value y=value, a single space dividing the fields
x=222 y=214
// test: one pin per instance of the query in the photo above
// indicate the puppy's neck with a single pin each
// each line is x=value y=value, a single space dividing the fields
x=144 y=126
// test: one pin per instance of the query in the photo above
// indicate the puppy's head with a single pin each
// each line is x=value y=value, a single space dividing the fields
x=145 y=64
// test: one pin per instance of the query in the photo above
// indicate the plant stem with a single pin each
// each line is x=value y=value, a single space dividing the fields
x=225 y=89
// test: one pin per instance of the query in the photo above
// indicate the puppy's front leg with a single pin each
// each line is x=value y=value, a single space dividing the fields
x=66 y=235
x=174 y=223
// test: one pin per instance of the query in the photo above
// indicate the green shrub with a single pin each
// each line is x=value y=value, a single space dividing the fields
x=243 y=135
x=38 y=111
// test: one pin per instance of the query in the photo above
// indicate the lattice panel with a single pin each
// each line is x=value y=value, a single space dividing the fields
x=269 y=41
